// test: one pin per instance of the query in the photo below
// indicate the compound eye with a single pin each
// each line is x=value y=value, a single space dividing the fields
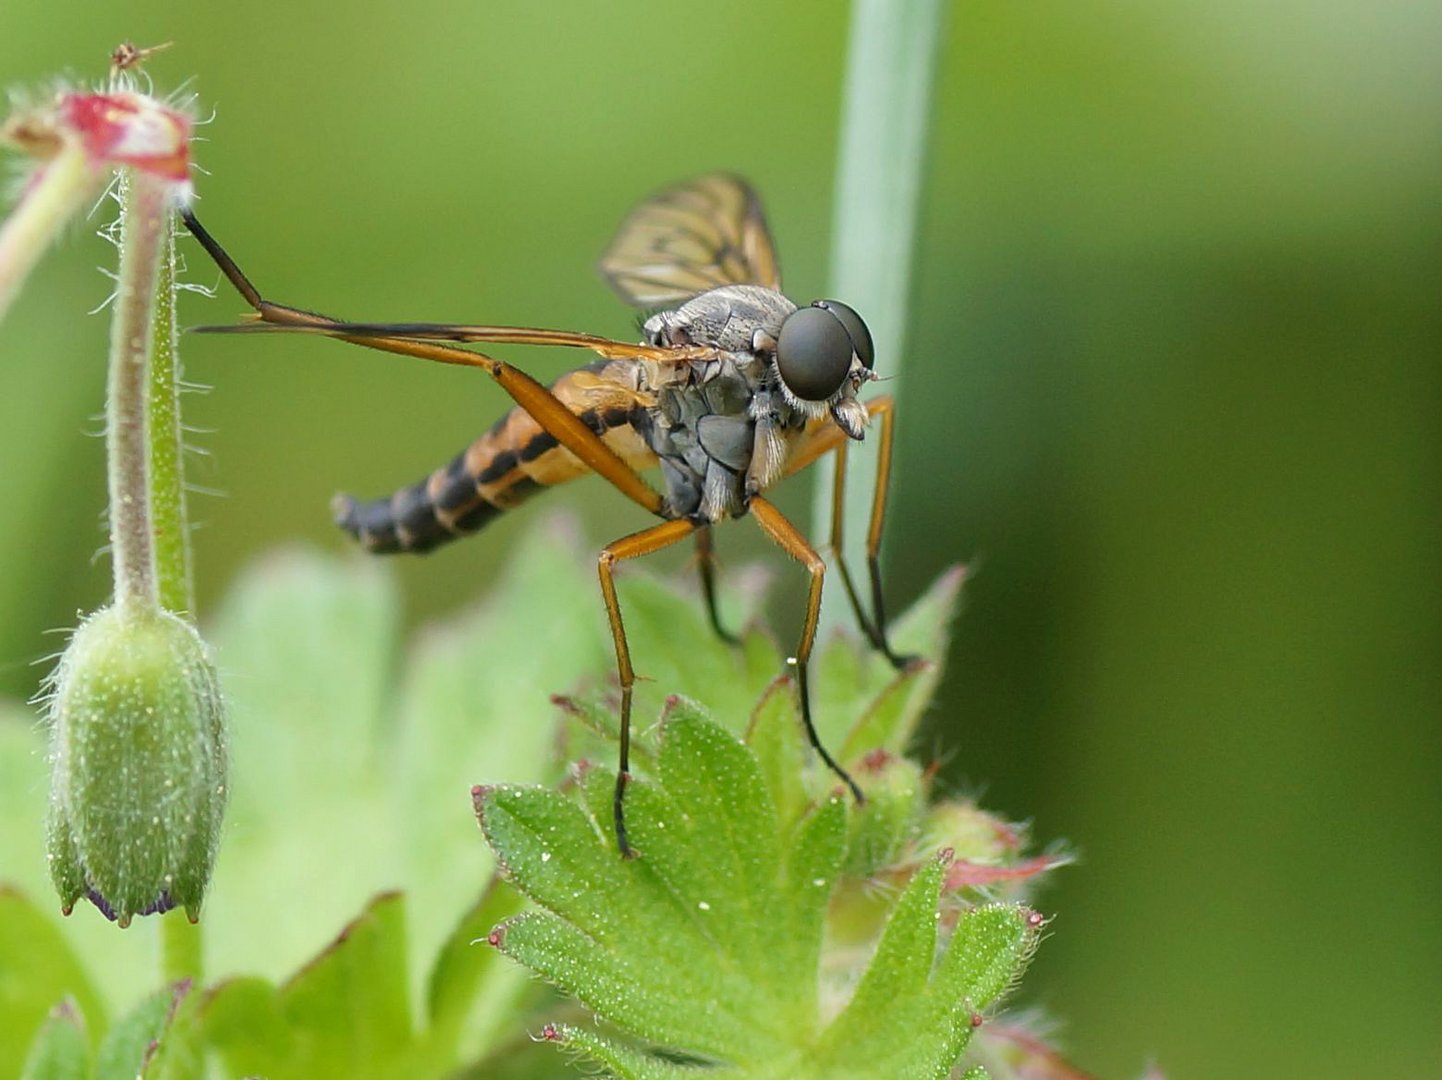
x=860 y=335
x=813 y=353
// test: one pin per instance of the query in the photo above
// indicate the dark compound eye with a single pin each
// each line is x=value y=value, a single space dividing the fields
x=860 y=336
x=813 y=353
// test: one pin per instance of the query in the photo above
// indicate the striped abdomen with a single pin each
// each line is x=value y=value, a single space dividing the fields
x=505 y=466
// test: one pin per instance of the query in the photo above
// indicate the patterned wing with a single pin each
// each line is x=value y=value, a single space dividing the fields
x=687 y=239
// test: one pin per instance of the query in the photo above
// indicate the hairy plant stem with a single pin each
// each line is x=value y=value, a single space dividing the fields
x=891 y=60
x=168 y=521
x=148 y=534
x=145 y=205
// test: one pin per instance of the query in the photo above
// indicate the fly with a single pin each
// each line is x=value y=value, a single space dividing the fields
x=734 y=388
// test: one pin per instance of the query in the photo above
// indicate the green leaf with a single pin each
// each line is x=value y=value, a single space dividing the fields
x=627 y=1062
x=61 y=1050
x=307 y=647
x=898 y=700
x=675 y=651
x=907 y=1019
x=778 y=739
x=38 y=971
x=244 y=1023
x=179 y=1053
x=475 y=707
x=885 y=828
x=132 y=1044
x=346 y=1013
x=710 y=942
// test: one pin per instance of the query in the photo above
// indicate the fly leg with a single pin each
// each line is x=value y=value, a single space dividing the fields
x=642 y=543
x=790 y=540
x=706 y=564
x=833 y=439
x=548 y=411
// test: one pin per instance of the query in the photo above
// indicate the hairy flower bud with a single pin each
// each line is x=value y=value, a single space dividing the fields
x=138 y=751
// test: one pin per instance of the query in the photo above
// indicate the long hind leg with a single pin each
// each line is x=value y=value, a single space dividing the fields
x=630 y=547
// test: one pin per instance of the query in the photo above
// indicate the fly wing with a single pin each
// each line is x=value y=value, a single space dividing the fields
x=696 y=236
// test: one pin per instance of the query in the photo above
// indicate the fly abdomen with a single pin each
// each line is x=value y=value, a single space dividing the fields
x=500 y=470
x=446 y=505
x=450 y=503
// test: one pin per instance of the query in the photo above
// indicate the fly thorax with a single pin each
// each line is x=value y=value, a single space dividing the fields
x=728 y=318
x=702 y=432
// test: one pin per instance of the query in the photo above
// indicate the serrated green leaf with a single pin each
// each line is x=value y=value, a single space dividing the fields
x=924 y=631
x=61 y=1048
x=663 y=1004
x=814 y=859
x=628 y=1063
x=896 y=978
x=890 y=718
x=989 y=949
x=246 y=1027
x=860 y=702
x=38 y=970
x=708 y=943
x=778 y=740
x=346 y=1013
x=626 y=929
x=593 y=730
x=984 y=957
x=179 y=1053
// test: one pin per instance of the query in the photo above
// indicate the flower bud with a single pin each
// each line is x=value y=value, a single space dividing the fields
x=139 y=765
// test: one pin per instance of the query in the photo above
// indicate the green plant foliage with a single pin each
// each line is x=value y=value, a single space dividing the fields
x=709 y=943
x=762 y=903
x=38 y=971
x=157 y=1040
x=60 y=1050
x=345 y=1013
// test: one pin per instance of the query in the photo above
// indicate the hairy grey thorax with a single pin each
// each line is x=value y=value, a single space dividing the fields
x=720 y=425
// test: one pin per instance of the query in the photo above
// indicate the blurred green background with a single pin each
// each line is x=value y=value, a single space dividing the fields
x=1172 y=386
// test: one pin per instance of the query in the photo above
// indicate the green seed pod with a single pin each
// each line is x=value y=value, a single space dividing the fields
x=138 y=754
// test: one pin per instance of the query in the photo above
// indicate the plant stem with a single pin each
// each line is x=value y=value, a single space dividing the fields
x=891 y=59
x=181 y=941
x=52 y=198
x=167 y=471
x=145 y=208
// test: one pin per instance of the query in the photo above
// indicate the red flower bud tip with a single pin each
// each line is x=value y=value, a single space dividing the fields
x=130 y=129
x=551 y=1033
x=494 y=938
x=1035 y=920
x=977 y=1019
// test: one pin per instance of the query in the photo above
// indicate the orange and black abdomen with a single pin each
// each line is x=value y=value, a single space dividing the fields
x=505 y=466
